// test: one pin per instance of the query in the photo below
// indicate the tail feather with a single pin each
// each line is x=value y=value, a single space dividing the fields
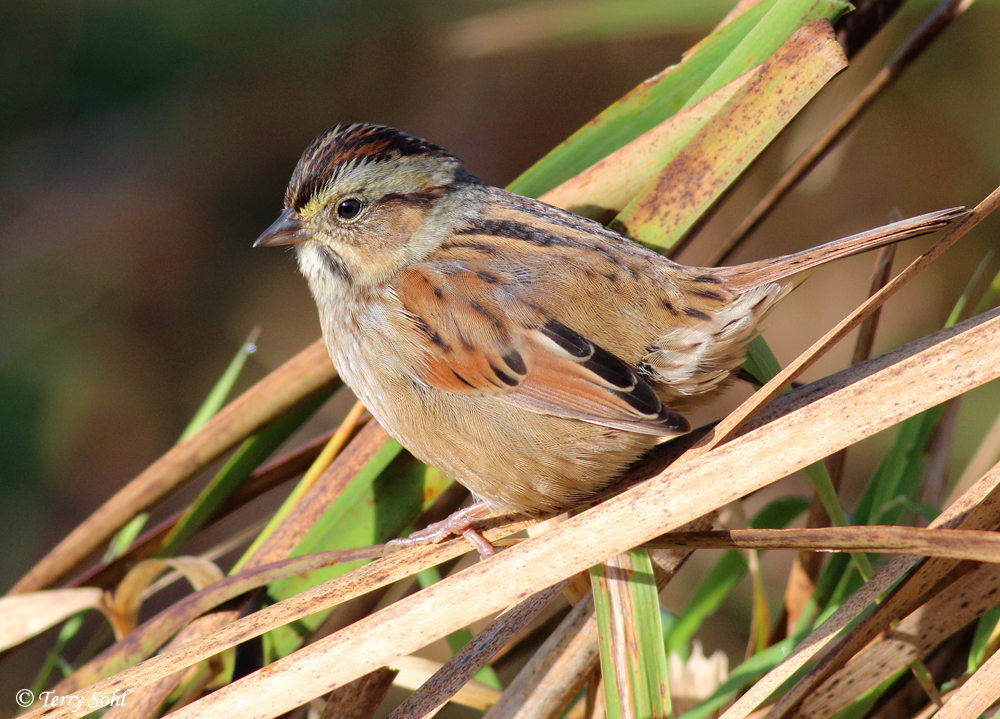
x=754 y=274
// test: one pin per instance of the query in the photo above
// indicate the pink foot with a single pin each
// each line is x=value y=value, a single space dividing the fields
x=459 y=523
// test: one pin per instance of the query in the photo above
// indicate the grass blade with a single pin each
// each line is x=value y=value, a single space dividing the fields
x=308 y=373
x=977 y=694
x=456 y=640
x=725 y=146
x=633 y=660
x=639 y=111
x=209 y=408
x=236 y=471
x=381 y=501
x=979 y=508
x=319 y=465
x=213 y=402
x=914 y=46
x=461 y=668
x=911 y=640
x=680 y=494
x=727 y=572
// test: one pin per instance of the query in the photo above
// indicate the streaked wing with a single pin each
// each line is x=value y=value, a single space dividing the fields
x=479 y=334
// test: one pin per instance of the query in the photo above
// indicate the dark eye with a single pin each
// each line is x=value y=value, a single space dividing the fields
x=349 y=209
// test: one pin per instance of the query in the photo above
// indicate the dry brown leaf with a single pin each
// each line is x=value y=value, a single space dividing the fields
x=305 y=375
x=913 y=638
x=131 y=591
x=414 y=671
x=461 y=668
x=951 y=543
x=152 y=634
x=978 y=693
x=556 y=671
x=928 y=579
x=267 y=477
x=602 y=190
x=369 y=577
x=318 y=498
x=147 y=701
x=979 y=508
x=806 y=566
x=570 y=655
x=962 y=358
x=25 y=615
x=360 y=698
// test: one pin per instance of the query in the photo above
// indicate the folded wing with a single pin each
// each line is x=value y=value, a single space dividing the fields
x=477 y=336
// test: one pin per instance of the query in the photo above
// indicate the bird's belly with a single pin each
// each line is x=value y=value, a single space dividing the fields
x=516 y=460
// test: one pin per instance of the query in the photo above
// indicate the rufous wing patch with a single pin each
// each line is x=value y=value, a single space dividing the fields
x=471 y=345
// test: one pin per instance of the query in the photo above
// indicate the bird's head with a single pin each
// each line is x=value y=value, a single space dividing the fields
x=358 y=202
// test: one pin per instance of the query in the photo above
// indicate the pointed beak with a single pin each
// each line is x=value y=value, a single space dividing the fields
x=286 y=230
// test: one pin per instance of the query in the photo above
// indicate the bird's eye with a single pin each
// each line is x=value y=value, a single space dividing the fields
x=349 y=209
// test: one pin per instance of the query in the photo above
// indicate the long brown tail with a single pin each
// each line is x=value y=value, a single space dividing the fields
x=754 y=274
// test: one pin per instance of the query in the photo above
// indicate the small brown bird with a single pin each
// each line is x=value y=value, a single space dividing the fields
x=527 y=352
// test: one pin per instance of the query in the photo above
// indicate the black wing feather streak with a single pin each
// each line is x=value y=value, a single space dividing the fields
x=632 y=388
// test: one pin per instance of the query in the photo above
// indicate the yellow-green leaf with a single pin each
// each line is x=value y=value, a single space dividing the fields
x=702 y=168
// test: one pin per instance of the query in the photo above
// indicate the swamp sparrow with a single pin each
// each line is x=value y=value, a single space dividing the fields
x=527 y=352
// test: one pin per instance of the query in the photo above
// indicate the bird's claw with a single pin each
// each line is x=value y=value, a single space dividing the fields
x=458 y=524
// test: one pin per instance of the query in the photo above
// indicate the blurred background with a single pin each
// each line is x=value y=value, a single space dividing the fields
x=144 y=146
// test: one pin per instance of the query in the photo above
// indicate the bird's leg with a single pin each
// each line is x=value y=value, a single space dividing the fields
x=459 y=523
